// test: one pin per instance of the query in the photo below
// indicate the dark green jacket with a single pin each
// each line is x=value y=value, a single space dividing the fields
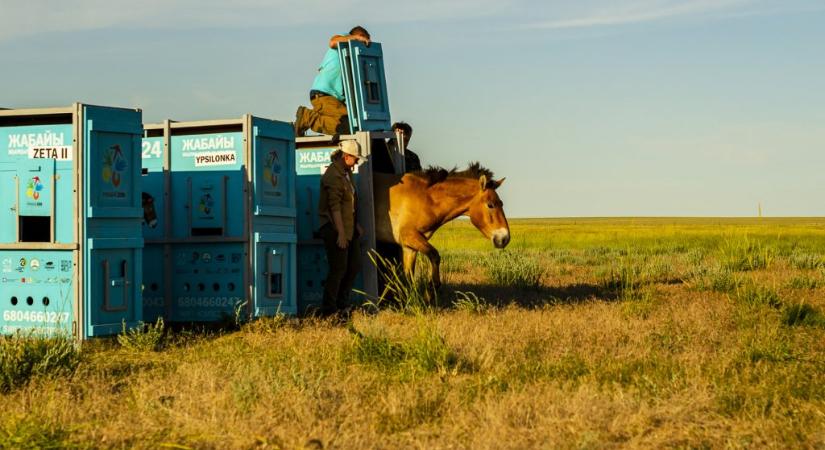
x=337 y=194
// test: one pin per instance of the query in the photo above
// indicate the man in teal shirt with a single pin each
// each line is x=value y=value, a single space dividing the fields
x=329 y=113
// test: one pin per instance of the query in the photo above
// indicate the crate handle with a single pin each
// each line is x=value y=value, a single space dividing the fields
x=108 y=283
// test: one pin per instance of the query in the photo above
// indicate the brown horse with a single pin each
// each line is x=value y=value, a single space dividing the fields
x=410 y=208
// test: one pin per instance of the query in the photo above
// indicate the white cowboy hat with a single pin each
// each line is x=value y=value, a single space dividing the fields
x=351 y=148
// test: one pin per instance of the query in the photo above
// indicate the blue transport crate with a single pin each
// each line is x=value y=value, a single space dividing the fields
x=70 y=214
x=365 y=86
x=224 y=195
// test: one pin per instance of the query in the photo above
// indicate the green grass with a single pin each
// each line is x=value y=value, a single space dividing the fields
x=144 y=338
x=25 y=356
x=757 y=296
x=600 y=333
x=740 y=253
x=803 y=315
x=514 y=269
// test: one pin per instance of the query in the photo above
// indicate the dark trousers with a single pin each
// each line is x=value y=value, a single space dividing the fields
x=344 y=264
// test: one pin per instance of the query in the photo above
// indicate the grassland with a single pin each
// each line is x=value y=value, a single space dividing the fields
x=592 y=333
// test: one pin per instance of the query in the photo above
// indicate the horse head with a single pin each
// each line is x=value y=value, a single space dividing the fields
x=487 y=212
x=150 y=216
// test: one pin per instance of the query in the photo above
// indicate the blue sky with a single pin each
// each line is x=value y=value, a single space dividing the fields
x=589 y=108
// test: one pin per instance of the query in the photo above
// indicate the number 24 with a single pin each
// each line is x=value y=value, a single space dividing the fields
x=151 y=149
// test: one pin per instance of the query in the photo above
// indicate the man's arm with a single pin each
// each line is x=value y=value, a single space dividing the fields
x=333 y=41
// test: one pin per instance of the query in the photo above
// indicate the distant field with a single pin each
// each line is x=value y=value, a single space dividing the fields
x=583 y=333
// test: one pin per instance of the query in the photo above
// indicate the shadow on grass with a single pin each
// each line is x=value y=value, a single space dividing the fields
x=495 y=295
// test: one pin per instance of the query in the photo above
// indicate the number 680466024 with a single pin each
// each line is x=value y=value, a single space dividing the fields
x=35 y=316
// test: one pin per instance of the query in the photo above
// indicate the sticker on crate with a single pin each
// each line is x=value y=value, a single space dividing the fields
x=35 y=142
x=60 y=153
x=209 y=150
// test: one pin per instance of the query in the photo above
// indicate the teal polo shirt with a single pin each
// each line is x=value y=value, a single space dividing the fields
x=329 y=78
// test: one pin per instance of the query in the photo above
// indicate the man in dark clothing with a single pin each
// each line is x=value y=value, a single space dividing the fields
x=411 y=161
x=339 y=229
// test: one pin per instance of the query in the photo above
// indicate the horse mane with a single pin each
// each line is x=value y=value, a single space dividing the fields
x=435 y=174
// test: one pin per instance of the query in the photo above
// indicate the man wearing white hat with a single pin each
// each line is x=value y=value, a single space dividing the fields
x=339 y=230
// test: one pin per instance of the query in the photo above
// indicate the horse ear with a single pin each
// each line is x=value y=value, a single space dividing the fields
x=499 y=182
x=482 y=182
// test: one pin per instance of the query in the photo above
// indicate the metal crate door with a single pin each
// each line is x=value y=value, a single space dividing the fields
x=273 y=165
x=365 y=86
x=114 y=297
x=275 y=277
x=112 y=267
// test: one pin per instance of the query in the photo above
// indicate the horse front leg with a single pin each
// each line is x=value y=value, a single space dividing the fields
x=409 y=262
x=418 y=243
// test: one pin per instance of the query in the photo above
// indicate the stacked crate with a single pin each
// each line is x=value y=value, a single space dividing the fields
x=70 y=215
x=223 y=245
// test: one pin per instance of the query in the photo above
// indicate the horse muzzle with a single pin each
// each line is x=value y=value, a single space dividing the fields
x=501 y=237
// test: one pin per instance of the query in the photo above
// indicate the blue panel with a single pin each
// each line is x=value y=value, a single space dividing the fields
x=273 y=177
x=8 y=202
x=32 y=158
x=113 y=262
x=312 y=270
x=36 y=290
x=153 y=283
x=207 y=184
x=207 y=281
x=274 y=275
x=113 y=296
x=36 y=187
x=365 y=86
x=310 y=165
x=112 y=173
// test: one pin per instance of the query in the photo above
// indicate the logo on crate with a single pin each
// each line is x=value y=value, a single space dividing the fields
x=33 y=188
x=114 y=166
x=35 y=264
x=7 y=265
x=272 y=168
x=206 y=204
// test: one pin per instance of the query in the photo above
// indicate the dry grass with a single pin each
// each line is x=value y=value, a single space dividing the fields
x=626 y=343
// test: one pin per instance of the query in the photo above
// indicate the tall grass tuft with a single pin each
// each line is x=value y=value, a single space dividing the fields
x=805 y=282
x=806 y=261
x=803 y=314
x=426 y=351
x=26 y=432
x=27 y=355
x=717 y=279
x=743 y=254
x=513 y=269
x=143 y=338
x=625 y=279
x=400 y=293
x=754 y=295
x=470 y=302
